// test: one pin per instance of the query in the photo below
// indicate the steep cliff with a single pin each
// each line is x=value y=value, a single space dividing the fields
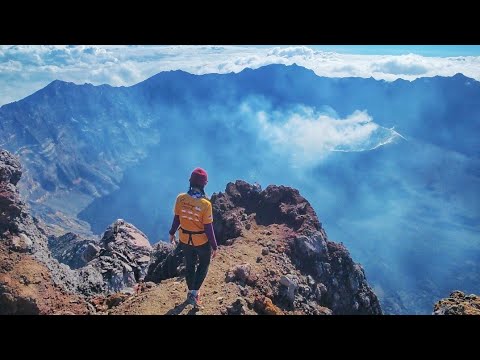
x=31 y=281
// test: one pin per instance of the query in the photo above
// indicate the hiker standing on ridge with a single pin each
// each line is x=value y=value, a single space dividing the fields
x=193 y=213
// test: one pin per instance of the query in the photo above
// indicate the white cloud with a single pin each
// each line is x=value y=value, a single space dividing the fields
x=306 y=137
x=292 y=52
x=26 y=68
x=403 y=65
x=10 y=65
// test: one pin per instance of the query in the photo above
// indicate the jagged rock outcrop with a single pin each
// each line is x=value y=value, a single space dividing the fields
x=118 y=262
x=123 y=257
x=31 y=281
x=242 y=202
x=327 y=275
x=72 y=250
x=458 y=304
x=167 y=262
x=120 y=259
x=10 y=203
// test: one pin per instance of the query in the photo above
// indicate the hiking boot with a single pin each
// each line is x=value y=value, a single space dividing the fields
x=196 y=300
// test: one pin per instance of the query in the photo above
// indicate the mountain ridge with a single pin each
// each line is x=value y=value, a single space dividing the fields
x=156 y=77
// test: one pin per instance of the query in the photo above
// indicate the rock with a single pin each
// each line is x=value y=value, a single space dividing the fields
x=320 y=290
x=128 y=291
x=10 y=168
x=323 y=311
x=64 y=312
x=122 y=255
x=127 y=268
x=239 y=273
x=259 y=259
x=290 y=282
x=143 y=259
x=265 y=306
x=458 y=304
x=304 y=290
x=363 y=299
x=91 y=309
x=257 y=187
x=104 y=303
x=73 y=250
x=115 y=299
x=311 y=246
x=121 y=231
x=21 y=243
x=91 y=250
x=166 y=262
x=265 y=251
x=270 y=308
x=252 y=279
x=8 y=303
x=91 y=281
x=239 y=307
x=243 y=290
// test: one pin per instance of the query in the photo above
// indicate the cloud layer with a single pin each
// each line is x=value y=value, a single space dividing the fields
x=25 y=69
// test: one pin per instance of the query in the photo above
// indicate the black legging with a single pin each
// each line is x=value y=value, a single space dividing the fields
x=195 y=277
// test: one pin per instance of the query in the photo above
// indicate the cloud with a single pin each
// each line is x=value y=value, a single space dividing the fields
x=306 y=137
x=402 y=65
x=26 y=68
x=292 y=52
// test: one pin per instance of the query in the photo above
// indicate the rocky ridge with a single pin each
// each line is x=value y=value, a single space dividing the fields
x=274 y=258
x=458 y=304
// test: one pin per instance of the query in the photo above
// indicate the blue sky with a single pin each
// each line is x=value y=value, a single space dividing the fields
x=27 y=68
x=424 y=50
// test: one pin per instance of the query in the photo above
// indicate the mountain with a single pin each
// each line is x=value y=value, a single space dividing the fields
x=274 y=258
x=398 y=190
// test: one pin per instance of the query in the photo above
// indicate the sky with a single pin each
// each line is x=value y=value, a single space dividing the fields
x=25 y=69
x=424 y=50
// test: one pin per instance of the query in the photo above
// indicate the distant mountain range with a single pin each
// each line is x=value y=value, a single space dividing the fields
x=406 y=209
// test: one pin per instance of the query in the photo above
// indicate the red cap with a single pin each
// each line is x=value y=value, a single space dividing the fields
x=199 y=177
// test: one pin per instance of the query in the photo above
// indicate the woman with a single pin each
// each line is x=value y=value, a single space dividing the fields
x=193 y=213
